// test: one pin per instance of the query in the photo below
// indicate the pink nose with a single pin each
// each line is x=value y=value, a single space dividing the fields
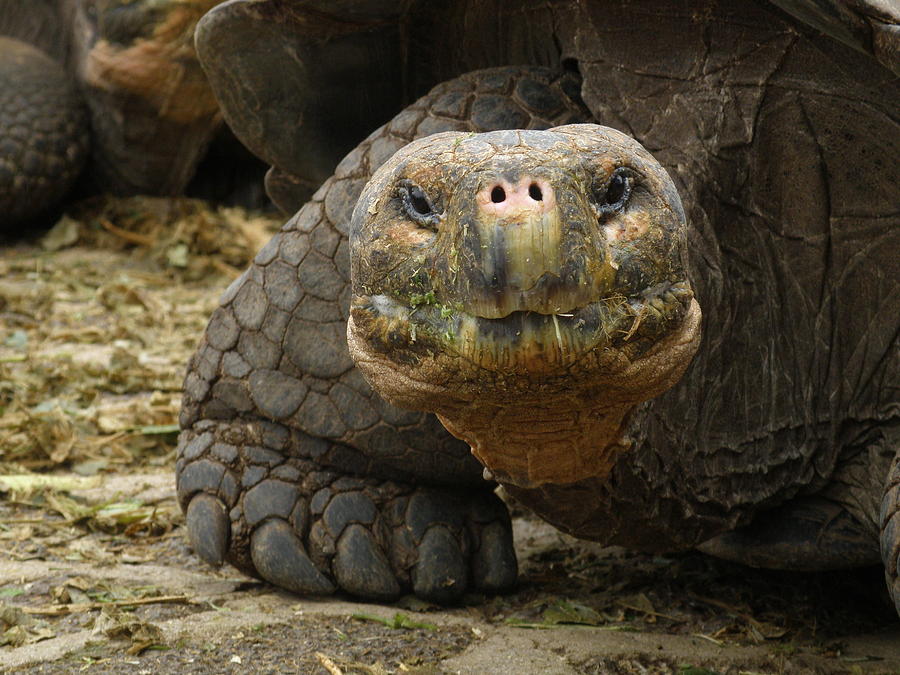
x=503 y=199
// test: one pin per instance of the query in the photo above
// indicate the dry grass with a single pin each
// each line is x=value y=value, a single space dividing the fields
x=97 y=320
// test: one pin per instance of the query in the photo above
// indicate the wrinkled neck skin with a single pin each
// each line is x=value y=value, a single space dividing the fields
x=559 y=431
x=528 y=446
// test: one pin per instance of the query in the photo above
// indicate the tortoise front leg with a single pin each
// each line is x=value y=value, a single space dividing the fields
x=254 y=495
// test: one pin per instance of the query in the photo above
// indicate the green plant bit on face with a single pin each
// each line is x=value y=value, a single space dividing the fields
x=417 y=299
x=461 y=138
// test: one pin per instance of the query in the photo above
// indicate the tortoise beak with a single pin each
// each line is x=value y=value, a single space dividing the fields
x=519 y=224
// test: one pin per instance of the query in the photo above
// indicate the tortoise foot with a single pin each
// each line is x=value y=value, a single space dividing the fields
x=890 y=532
x=311 y=530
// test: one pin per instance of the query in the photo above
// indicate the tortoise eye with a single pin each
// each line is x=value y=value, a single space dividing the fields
x=419 y=201
x=417 y=205
x=615 y=193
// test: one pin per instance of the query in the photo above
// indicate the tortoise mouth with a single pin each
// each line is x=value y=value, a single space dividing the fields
x=523 y=341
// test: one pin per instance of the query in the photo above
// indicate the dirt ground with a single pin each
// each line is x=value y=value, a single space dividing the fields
x=97 y=319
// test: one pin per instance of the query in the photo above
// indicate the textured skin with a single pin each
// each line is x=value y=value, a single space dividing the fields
x=793 y=250
x=280 y=430
x=44 y=141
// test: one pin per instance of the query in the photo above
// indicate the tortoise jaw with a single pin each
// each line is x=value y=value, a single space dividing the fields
x=524 y=342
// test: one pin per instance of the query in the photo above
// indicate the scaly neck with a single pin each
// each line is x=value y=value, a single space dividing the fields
x=530 y=444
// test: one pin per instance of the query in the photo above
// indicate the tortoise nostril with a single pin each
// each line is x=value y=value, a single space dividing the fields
x=498 y=194
x=535 y=192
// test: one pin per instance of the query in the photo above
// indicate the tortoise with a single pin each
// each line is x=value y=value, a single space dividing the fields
x=121 y=72
x=678 y=334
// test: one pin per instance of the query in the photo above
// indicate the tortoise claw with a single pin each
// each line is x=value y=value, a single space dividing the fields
x=494 y=566
x=440 y=573
x=208 y=528
x=361 y=568
x=279 y=558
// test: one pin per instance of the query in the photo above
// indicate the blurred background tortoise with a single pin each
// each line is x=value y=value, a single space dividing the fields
x=111 y=87
x=777 y=123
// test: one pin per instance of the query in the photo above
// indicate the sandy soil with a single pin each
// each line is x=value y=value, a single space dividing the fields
x=96 y=321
